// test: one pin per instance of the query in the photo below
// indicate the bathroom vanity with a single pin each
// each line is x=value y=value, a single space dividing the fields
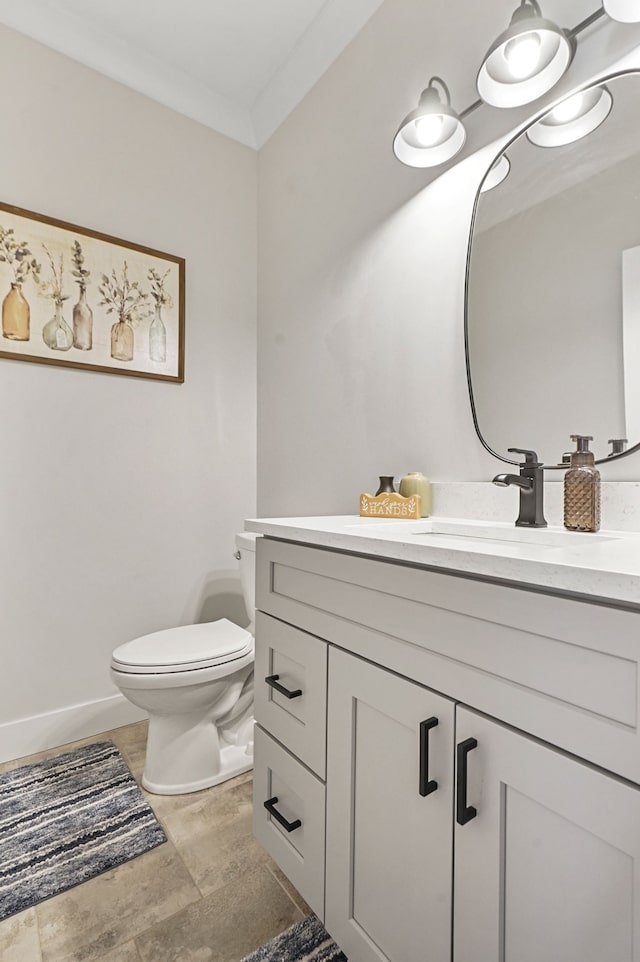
x=447 y=736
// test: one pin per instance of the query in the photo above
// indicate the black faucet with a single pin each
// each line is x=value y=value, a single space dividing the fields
x=531 y=484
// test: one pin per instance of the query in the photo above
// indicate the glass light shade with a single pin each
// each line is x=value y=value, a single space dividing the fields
x=523 y=55
x=525 y=61
x=553 y=131
x=568 y=109
x=431 y=134
x=498 y=172
x=626 y=11
x=429 y=129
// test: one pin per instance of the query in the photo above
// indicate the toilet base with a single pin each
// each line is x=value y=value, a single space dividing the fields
x=234 y=760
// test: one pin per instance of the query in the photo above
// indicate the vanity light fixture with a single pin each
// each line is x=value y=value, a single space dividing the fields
x=572 y=118
x=526 y=60
x=432 y=133
x=498 y=172
x=626 y=11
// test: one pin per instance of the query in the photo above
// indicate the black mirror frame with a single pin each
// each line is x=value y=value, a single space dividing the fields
x=474 y=413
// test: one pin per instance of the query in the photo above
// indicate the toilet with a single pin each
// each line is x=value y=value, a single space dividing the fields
x=196 y=683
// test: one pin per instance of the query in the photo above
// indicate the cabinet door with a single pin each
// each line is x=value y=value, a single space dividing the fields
x=547 y=869
x=389 y=847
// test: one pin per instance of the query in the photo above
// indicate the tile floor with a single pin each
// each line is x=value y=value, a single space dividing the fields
x=210 y=894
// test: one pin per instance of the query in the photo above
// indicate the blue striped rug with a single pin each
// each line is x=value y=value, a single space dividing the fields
x=303 y=942
x=67 y=819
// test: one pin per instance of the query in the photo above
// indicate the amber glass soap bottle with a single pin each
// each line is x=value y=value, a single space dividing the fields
x=582 y=488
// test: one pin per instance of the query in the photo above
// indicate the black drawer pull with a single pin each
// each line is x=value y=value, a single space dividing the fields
x=464 y=812
x=270 y=806
x=426 y=785
x=272 y=681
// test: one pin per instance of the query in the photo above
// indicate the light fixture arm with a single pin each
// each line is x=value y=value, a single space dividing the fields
x=532 y=3
x=587 y=22
x=445 y=89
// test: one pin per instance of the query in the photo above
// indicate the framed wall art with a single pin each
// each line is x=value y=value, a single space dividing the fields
x=75 y=297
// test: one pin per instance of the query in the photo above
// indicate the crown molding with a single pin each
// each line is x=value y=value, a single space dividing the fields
x=319 y=46
x=322 y=43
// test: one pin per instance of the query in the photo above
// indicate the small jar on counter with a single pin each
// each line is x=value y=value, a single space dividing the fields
x=386 y=485
x=415 y=483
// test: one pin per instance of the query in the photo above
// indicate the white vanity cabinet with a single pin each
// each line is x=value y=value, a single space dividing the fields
x=542 y=870
x=482 y=761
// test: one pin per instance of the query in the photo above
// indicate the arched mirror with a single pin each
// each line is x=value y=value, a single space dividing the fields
x=553 y=282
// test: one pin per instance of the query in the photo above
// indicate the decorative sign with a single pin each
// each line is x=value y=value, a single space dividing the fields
x=390 y=506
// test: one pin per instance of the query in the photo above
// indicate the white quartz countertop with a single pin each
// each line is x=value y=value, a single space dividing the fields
x=604 y=566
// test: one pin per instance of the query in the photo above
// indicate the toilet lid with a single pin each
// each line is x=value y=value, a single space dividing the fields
x=247 y=540
x=184 y=649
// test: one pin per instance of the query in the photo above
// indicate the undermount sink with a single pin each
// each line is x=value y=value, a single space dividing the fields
x=449 y=532
x=497 y=532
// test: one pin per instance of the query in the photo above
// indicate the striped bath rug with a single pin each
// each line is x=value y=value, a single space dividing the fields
x=67 y=819
x=306 y=941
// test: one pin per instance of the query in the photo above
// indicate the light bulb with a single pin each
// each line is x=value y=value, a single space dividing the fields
x=569 y=109
x=429 y=129
x=522 y=55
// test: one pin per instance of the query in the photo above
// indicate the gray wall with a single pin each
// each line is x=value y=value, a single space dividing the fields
x=361 y=372
x=361 y=365
x=120 y=496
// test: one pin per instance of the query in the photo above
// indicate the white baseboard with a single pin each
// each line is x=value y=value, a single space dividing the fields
x=27 y=736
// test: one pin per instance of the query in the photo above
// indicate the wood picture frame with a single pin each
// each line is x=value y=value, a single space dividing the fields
x=76 y=297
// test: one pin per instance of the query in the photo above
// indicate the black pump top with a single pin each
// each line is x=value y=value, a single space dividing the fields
x=582 y=441
x=582 y=455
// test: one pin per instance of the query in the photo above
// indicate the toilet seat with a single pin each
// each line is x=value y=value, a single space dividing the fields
x=183 y=649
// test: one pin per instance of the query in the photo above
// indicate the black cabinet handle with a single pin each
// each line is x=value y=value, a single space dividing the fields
x=272 y=681
x=464 y=812
x=427 y=785
x=270 y=806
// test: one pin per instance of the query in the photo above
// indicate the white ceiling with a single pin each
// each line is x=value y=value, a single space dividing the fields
x=238 y=66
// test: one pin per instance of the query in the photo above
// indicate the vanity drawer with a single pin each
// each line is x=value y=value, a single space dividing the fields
x=297 y=662
x=296 y=842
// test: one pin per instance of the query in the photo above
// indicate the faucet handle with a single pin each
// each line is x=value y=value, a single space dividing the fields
x=530 y=457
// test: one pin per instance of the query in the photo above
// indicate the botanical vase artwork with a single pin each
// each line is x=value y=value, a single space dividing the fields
x=56 y=333
x=16 y=313
x=82 y=313
x=126 y=299
x=127 y=316
x=157 y=330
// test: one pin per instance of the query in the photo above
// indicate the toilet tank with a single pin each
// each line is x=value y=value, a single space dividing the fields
x=246 y=545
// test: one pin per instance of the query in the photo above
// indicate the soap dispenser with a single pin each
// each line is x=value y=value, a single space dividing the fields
x=582 y=488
